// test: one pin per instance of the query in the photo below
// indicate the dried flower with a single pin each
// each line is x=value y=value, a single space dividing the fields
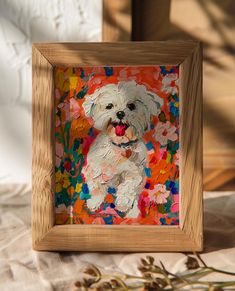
x=153 y=286
x=154 y=278
x=143 y=269
x=78 y=286
x=192 y=263
x=150 y=260
x=104 y=286
x=144 y=262
x=92 y=271
x=88 y=282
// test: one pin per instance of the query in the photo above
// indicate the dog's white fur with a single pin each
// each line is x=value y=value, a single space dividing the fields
x=108 y=164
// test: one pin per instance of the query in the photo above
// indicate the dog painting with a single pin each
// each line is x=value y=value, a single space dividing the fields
x=117 y=145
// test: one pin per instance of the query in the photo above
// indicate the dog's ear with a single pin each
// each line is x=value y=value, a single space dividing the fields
x=89 y=103
x=153 y=102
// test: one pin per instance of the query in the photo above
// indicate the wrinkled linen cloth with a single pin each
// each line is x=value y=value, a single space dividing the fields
x=21 y=268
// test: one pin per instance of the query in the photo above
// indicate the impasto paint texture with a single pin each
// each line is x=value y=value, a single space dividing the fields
x=117 y=145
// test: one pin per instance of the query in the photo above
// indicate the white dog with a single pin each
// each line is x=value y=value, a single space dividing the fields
x=117 y=157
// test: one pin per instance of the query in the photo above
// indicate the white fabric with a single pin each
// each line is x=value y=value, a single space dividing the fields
x=21 y=268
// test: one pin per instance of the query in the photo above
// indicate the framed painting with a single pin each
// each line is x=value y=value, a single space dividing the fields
x=117 y=146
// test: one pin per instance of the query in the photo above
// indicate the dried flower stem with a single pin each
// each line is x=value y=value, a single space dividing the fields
x=155 y=278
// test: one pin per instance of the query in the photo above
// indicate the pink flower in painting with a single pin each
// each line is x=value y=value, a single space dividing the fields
x=159 y=194
x=164 y=132
x=170 y=84
x=177 y=158
x=162 y=154
x=59 y=150
x=74 y=108
x=98 y=220
x=65 y=107
x=175 y=205
x=57 y=161
x=109 y=211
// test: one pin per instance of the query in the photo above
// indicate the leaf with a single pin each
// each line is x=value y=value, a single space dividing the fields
x=58 y=137
x=82 y=93
x=63 y=97
x=67 y=132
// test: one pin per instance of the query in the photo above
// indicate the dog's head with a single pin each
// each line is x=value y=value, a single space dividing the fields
x=123 y=110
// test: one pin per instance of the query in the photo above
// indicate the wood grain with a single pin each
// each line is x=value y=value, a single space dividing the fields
x=187 y=236
x=119 y=53
x=43 y=157
x=117 y=20
x=191 y=166
x=117 y=238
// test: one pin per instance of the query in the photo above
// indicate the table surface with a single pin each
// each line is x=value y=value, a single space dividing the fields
x=21 y=268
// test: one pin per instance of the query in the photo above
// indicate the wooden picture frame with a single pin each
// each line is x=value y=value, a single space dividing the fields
x=185 y=237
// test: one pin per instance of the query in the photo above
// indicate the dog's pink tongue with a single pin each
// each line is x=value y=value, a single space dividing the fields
x=120 y=129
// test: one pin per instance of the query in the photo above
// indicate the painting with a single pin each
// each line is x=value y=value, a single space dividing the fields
x=117 y=145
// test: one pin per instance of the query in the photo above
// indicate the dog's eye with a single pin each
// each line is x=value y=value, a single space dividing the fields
x=109 y=106
x=131 y=106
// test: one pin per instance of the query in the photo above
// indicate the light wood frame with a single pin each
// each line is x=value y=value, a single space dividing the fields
x=185 y=237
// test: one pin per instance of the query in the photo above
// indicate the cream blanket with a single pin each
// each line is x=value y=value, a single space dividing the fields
x=21 y=268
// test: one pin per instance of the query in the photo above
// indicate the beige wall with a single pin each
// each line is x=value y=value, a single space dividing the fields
x=213 y=23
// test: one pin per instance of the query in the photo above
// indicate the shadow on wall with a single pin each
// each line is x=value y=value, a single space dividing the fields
x=213 y=24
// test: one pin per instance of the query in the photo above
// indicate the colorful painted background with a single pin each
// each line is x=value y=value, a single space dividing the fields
x=159 y=200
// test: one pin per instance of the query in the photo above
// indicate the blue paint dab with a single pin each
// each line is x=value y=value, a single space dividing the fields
x=104 y=205
x=112 y=205
x=147 y=172
x=163 y=221
x=152 y=126
x=121 y=214
x=85 y=189
x=79 y=179
x=83 y=92
x=149 y=146
x=174 y=190
x=108 y=219
x=82 y=75
x=172 y=184
x=84 y=196
x=91 y=132
x=147 y=185
x=164 y=71
x=111 y=190
x=108 y=71
x=76 y=144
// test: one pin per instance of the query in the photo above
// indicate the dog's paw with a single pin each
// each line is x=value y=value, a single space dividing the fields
x=123 y=203
x=94 y=202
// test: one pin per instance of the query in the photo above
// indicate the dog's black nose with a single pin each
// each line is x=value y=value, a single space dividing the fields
x=120 y=114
